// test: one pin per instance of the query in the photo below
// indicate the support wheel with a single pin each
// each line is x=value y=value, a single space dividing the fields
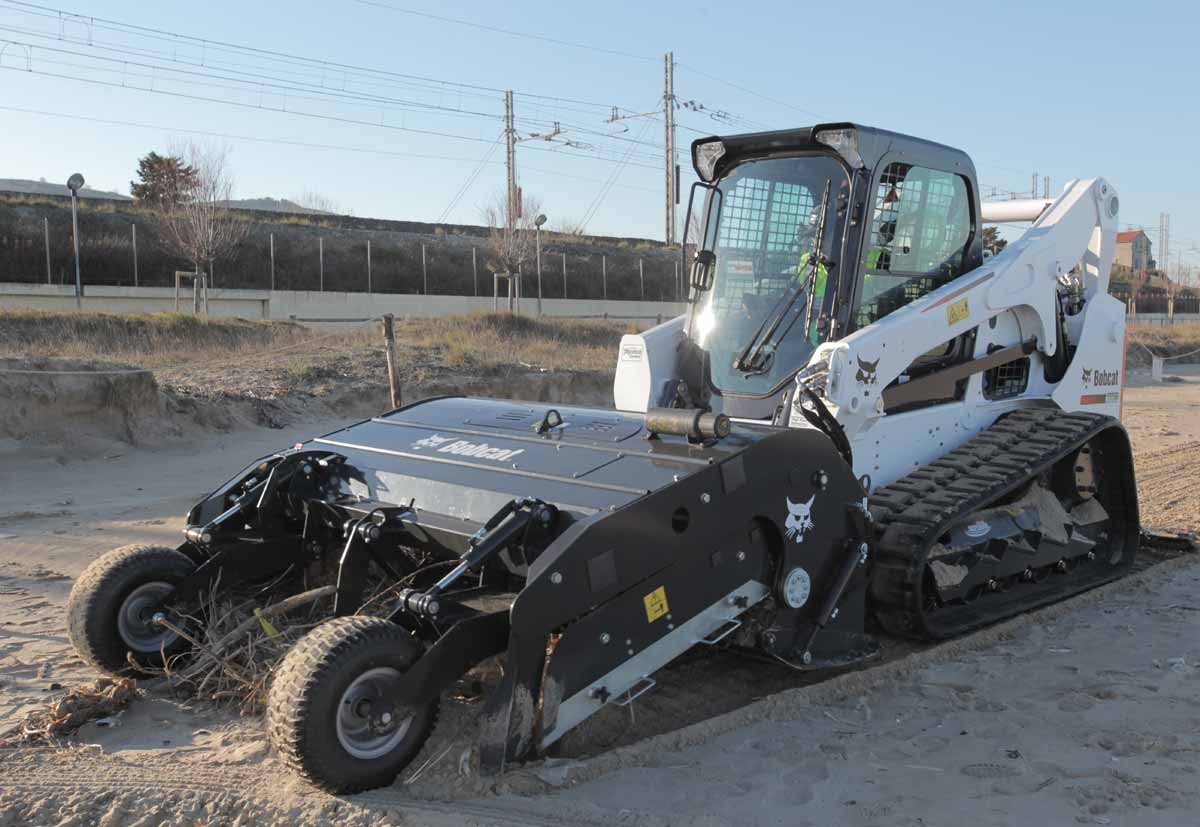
x=330 y=712
x=111 y=607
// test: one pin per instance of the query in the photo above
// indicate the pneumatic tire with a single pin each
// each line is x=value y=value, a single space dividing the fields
x=329 y=714
x=108 y=612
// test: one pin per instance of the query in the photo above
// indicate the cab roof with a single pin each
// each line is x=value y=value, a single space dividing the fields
x=873 y=146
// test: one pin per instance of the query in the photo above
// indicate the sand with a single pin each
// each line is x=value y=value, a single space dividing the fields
x=1042 y=720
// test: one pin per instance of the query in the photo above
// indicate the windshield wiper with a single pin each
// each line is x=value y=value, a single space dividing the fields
x=757 y=355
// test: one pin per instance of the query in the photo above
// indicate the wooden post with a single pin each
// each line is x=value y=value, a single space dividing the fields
x=135 y=278
x=564 y=255
x=272 y=261
x=475 y=271
x=604 y=276
x=389 y=341
x=46 y=223
x=368 y=265
x=424 y=271
x=642 y=279
x=321 y=261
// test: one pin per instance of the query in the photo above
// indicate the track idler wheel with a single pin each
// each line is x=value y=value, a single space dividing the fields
x=110 y=613
x=330 y=709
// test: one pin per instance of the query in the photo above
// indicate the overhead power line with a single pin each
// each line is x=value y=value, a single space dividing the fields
x=470 y=178
x=323 y=67
x=608 y=185
x=279 y=102
x=231 y=136
x=260 y=84
x=578 y=45
x=510 y=32
x=747 y=90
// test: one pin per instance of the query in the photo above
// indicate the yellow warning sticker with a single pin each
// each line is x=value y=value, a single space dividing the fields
x=957 y=312
x=656 y=604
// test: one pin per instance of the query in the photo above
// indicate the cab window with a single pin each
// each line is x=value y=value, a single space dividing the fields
x=918 y=238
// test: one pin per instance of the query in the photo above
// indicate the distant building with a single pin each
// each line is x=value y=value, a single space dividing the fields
x=1133 y=251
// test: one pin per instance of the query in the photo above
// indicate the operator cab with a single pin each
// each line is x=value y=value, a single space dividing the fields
x=806 y=235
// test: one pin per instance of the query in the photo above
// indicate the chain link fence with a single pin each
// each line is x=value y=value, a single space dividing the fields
x=121 y=246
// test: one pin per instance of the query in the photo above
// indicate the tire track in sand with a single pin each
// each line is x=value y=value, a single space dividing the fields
x=1167 y=493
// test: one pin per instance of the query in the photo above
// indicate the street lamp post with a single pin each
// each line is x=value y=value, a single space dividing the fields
x=75 y=183
x=538 y=222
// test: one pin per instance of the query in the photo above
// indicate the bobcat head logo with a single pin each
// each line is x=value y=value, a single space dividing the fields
x=866 y=371
x=1087 y=376
x=432 y=441
x=799 y=519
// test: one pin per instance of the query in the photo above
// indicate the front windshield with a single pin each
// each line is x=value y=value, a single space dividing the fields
x=762 y=227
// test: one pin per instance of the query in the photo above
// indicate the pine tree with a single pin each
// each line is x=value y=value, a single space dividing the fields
x=165 y=180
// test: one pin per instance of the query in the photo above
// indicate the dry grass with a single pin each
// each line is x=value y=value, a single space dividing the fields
x=237 y=639
x=488 y=340
x=104 y=697
x=240 y=635
x=1164 y=340
x=143 y=339
x=480 y=343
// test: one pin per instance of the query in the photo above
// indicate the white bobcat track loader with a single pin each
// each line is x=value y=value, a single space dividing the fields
x=862 y=422
x=854 y=296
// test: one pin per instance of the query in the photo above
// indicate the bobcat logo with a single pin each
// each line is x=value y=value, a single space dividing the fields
x=866 y=371
x=1093 y=378
x=799 y=519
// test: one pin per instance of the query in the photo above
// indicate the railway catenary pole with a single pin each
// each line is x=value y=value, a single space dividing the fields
x=512 y=208
x=669 y=144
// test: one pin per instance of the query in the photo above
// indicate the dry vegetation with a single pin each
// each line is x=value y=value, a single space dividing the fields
x=1164 y=340
x=60 y=718
x=181 y=348
x=144 y=339
x=485 y=341
x=269 y=360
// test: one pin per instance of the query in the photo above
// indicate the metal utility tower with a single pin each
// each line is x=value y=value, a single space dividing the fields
x=669 y=170
x=1164 y=239
x=513 y=206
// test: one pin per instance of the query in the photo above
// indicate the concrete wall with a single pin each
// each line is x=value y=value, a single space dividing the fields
x=311 y=306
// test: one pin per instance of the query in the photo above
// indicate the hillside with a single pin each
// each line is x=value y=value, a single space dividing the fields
x=273 y=205
x=311 y=251
x=44 y=187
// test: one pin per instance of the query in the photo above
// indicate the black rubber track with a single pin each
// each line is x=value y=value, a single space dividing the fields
x=99 y=592
x=303 y=697
x=913 y=512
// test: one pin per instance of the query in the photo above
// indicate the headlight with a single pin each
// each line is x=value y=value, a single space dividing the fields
x=705 y=157
x=842 y=141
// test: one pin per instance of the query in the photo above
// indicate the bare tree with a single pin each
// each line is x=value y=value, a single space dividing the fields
x=570 y=226
x=511 y=240
x=199 y=224
x=317 y=202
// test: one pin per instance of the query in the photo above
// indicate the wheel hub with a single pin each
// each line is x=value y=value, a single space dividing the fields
x=135 y=618
x=368 y=724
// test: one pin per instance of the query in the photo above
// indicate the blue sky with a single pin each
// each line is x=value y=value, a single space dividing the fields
x=1064 y=89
